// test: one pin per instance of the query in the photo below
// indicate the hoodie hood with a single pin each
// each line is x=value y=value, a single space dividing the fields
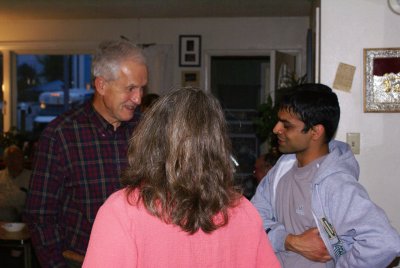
x=339 y=160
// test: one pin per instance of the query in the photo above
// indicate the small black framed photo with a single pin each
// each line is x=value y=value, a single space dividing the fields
x=189 y=50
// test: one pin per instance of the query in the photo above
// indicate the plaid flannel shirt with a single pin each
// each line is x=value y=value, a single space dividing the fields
x=77 y=165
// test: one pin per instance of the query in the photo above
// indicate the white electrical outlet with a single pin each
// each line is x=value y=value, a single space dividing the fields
x=353 y=139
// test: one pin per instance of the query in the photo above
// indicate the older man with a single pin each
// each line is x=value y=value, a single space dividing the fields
x=81 y=155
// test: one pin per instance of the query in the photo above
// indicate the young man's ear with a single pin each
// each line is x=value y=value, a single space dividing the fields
x=318 y=131
x=99 y=83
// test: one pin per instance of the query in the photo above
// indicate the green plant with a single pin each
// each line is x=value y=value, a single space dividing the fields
x=265 y=121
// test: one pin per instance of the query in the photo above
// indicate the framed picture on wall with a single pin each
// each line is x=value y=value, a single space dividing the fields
x=382 y=80
x=191 y=79
x=189 y=50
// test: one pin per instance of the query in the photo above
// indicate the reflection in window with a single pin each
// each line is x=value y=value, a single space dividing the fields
x=43 y=81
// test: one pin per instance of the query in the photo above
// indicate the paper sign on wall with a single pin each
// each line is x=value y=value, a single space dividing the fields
x=344 y=77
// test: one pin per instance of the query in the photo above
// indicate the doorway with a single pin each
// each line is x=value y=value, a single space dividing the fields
x=241 y=84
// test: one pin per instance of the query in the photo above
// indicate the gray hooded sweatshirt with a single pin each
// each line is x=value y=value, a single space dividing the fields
x=356 y=232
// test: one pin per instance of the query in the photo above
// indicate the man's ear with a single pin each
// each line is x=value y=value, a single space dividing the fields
x=100 y=84
x=318 y=131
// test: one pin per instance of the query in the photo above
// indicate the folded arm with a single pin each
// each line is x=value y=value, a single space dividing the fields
x=308 y=244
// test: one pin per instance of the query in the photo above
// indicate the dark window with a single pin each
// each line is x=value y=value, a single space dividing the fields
x=42 y=82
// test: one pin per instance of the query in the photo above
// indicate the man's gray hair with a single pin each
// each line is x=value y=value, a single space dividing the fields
x=110 y=54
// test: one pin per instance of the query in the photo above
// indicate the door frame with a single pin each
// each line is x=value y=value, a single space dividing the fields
x=208 y=54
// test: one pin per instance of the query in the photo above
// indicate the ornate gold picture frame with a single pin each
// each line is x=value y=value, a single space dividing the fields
x=382 y=80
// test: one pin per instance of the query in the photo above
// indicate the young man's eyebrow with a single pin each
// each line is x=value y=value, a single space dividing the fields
x=283 y=120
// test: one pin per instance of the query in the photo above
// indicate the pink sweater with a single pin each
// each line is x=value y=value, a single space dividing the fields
x=128 y=236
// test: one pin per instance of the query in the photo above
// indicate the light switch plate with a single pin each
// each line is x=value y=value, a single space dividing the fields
x=353 y=139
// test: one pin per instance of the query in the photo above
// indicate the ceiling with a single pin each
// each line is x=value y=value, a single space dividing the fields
x=125 y=9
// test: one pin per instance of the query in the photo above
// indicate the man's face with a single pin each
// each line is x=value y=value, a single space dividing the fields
x=123 y=95
x=260 y=168
x=15 y=162
x=289 y=130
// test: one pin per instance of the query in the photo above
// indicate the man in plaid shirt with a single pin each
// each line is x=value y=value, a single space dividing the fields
x=81 y=154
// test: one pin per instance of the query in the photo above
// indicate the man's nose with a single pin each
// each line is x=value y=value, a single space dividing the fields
x=136 y=96
x=277 y=128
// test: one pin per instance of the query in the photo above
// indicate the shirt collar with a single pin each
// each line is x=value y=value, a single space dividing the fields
x=102 y=124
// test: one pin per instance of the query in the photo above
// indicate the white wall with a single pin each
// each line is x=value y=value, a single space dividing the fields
x=217 y=34
x=347 y=27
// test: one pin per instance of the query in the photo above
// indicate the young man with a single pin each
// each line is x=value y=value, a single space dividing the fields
x=81 y=154
x=315 y=212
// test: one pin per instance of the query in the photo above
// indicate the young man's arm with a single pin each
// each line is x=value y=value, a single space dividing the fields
x=308 y=244
x=262 y=200
x=363 y=227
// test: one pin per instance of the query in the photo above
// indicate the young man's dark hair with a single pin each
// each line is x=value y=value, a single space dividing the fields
x=314 y=104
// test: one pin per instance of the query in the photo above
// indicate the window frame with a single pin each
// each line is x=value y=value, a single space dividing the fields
x=10 y=50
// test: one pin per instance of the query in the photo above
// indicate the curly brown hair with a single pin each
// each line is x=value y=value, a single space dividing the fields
x=179 y=161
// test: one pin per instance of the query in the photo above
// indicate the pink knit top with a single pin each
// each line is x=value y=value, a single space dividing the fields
x=128 y=236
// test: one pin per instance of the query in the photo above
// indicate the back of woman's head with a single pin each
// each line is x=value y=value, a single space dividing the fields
x=179 y=159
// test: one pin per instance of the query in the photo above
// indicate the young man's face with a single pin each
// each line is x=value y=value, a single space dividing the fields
x=289 y=130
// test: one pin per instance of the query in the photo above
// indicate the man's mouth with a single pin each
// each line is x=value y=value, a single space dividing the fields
x=130 y=107
x=280 y=141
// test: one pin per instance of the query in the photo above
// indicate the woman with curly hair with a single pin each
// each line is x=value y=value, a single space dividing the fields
x=179 y=207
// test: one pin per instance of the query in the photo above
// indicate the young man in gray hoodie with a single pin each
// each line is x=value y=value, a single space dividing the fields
x=314 y=210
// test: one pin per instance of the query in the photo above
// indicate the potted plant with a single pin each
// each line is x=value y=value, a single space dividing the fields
x=265 y=122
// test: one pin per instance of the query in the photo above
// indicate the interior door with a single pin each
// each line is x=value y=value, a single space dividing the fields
x=241 y=83
x=285 y=66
